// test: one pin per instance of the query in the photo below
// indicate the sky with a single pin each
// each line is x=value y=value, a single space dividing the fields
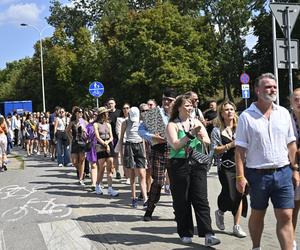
x=16 y=42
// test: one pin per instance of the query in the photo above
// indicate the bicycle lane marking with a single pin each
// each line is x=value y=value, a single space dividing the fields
x=2 y=241
x=15 y=191
x=50 y=208
x=64 y=234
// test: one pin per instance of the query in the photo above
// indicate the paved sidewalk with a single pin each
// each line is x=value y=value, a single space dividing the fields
x=112 y=224
x=102 y=222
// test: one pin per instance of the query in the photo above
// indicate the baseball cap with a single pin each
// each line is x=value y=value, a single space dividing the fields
x=134 y=114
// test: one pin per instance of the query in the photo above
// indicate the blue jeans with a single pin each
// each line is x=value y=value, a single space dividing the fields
x=63 y=154
x=276 y=185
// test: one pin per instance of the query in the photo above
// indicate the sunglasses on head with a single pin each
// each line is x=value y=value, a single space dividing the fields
x=169 y=99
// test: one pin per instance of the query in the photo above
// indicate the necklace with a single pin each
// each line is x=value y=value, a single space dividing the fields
x=183 y=127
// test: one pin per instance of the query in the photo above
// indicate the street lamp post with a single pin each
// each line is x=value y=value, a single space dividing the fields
x=40 y=31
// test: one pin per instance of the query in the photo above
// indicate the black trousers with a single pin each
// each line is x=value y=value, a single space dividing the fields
x=189 y=188
x=229 y=199
x=16 y=137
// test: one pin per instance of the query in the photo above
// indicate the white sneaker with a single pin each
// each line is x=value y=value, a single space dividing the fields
x=295 y=245
x=112 y=192
x=238 y=231
x=211 y=240
x=60 y=165
x=186 y=240
x=220 y=219
x=128 y=181
x=99 y=189
x=81 y=182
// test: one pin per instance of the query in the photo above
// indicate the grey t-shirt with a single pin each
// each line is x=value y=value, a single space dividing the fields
x=132 y=132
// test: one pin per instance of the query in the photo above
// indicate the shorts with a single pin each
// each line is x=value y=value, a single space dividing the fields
x=134 y=155
x=77 y=148
x=277 y=185
x=105 y=154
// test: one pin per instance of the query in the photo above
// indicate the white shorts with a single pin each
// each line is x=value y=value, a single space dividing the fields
x=3 y=144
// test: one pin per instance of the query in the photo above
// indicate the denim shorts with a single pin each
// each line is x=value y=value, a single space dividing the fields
x=277 y=185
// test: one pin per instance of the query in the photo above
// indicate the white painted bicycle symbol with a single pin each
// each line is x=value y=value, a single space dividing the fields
x=15 y=191
x=49 y=208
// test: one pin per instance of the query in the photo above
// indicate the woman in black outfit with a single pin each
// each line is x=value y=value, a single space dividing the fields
x=223 y=145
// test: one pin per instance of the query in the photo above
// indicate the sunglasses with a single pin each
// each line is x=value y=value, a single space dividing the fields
x=145 y=110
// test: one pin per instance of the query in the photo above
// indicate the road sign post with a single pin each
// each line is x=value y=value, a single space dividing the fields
x=286 y=16
x=96 y=89
x=245 y=79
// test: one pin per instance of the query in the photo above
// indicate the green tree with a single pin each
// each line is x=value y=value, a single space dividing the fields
x=151 y=49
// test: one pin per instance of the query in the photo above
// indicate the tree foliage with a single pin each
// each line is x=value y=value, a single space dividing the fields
x=137 y=47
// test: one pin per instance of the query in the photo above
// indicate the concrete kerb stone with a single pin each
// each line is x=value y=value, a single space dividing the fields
x=15 y=161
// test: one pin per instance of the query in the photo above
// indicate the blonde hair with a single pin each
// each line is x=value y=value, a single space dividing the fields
x=220 y=120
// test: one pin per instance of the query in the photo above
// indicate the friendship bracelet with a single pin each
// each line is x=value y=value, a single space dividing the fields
x=239 y=177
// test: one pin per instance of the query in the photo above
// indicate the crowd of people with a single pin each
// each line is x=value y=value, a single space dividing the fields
x=173 y=145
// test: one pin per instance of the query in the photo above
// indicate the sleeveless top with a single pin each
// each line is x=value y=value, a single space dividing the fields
x=195 y=144
x=103 y=131
x=227 y=159
x=77 y=132
x=60 y=124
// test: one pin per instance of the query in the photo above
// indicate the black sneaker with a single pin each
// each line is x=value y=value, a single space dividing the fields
x=148 y=216
x=140 y=198
x=118 y=176
x=4 y=167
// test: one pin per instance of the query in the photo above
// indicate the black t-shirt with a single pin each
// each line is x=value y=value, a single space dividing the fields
x=113 y=119
x=209 y=116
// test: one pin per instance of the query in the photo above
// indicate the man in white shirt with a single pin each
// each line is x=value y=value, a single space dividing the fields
x=265 y=144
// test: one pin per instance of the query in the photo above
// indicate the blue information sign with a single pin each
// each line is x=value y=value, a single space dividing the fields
x=245 y=93
x=96 y=89
x=244 y=78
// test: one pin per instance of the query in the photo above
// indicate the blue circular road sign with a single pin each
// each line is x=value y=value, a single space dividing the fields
x=96 y=89
x=244 y=78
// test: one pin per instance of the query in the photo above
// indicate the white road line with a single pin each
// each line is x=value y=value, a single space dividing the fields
x=64 y=235
x=2 y=241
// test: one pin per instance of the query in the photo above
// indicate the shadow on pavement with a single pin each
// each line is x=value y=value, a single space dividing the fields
x=132 y=239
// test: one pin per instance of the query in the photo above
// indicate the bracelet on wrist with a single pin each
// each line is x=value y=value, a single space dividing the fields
x=239 y=177
x=189 y=135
